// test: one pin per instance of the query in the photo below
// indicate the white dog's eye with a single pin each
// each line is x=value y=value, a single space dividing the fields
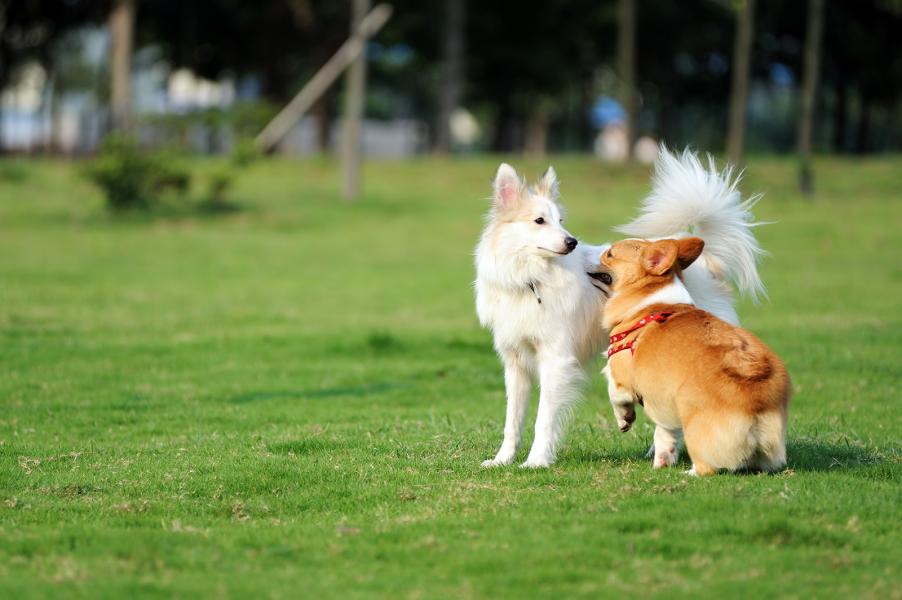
x=540 y=221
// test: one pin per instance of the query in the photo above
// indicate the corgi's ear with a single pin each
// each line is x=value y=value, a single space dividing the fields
x=659 y=257
x=688 y=250
x=548 y=185
x=508 y=187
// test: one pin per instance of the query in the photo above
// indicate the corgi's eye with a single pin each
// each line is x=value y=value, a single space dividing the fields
x=540 y=221
x=610 y=254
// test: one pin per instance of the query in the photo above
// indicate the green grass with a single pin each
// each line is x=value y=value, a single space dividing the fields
x=293 y=400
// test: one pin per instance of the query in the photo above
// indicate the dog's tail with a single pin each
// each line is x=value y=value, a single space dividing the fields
x=686 y=198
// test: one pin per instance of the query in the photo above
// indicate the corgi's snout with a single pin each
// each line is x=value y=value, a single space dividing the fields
x=570 y=242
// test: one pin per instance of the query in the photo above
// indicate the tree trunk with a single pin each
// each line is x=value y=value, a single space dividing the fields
x=122 y=27
x=356 y=94
x=864 y=127
x=536 y=141
x=452 y=73
x=808 y=93
x=739 y=89
x=3 y=79
x=321 y=111
x=840 y=115
x=626 y=68
x=506 y=137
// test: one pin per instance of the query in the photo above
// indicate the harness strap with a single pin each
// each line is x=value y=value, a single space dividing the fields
x=651 y=318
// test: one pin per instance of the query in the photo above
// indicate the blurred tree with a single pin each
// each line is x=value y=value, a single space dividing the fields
x=355 y=93
x=807 y=96
x=280 y=42
x=860 y=74
x=626 y=68
x=29 y=29
x=452 y=72
x=739 y=90
x=122 y=32
x=527 y=56
x=682 y=66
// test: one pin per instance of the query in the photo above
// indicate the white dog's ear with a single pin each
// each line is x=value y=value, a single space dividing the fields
x=548 y=185
x=508 y=187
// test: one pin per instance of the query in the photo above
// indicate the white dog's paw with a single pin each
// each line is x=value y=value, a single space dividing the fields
x=504 y=458
x=537 y=462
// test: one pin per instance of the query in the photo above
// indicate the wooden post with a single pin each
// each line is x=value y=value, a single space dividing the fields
x=276 y=129
x=122 y=26
x=353 y=117
x=626 y=69
x=809 y=93
x=739 y=89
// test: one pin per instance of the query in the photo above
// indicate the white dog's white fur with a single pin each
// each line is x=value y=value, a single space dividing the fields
x=544 y=310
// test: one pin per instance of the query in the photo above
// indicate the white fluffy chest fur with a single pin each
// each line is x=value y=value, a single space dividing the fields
x=567 y=321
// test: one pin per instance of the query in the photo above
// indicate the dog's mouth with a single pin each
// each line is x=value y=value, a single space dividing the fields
x=603 y=277
x=599 y=280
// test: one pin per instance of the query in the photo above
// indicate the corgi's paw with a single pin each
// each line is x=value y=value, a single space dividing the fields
x=665 y=457
x=691 y=472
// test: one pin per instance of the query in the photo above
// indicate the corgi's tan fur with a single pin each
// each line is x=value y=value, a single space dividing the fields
x=718 y=383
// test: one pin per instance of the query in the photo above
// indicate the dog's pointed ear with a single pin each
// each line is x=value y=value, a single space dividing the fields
x=688 y=250
x=508 y=187
x=659 y=257
x=548 y=185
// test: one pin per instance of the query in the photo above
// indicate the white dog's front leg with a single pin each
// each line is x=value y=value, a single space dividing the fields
x=560 y=381
x=667 y=447
x=517 y=385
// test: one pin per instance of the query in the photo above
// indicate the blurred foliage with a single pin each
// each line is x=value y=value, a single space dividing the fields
x=222 y=178
x=133 y=179
x=223 y=128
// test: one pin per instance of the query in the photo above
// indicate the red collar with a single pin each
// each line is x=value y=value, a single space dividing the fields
x=656 y=317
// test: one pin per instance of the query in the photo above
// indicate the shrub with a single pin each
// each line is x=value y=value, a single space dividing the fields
x=132 y=179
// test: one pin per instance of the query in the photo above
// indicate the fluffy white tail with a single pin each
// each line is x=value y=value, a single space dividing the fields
x=689 y=198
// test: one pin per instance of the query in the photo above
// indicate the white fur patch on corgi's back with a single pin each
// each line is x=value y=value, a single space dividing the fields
x=672 y=293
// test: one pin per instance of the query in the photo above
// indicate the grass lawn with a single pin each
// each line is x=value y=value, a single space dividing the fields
x=293 y=400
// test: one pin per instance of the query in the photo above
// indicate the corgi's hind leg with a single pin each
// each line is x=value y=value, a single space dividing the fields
x=719 y=441
x=701 y=469
x=770 y=434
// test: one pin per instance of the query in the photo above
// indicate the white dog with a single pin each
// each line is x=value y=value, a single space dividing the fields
x=542 y=293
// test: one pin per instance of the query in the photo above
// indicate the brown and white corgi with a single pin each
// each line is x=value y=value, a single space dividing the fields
x=716 y=383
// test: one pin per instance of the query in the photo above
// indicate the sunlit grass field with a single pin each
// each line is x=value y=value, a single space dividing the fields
x=293 y=400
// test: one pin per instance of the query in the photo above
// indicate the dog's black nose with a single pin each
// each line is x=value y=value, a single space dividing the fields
x=571 y=243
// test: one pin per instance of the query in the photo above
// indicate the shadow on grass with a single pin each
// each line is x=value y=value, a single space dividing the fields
x=351 y=391
x=804 y=455
x=820 y=455
x=620 y=455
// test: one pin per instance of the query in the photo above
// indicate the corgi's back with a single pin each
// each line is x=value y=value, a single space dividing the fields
x=728 y=389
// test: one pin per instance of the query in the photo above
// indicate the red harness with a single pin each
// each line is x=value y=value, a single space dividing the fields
x=653 y=317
